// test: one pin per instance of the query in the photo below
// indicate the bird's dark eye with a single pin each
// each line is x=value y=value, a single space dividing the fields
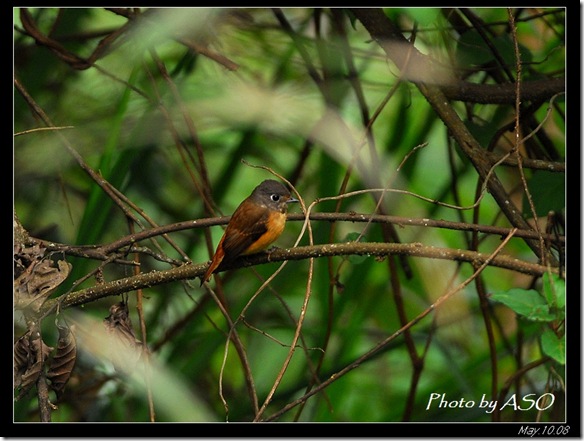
x=275 y=197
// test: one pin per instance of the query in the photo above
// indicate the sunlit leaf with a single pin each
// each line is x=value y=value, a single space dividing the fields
x=554 y=289
x=525 y=302
x=553 y=345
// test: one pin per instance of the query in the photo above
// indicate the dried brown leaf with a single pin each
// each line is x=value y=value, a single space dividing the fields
x=22 y=358
x=25 y=256
x=63 y=362
x=36 y=283
x=119 y=325
x=38 y=354
x=119 y=318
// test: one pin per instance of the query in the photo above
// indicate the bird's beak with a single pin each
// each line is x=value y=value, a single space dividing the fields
x=291 y=200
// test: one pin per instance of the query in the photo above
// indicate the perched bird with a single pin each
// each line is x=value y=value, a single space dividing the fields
x=256 y=223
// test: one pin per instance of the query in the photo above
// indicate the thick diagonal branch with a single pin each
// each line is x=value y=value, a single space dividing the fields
x=385 y=33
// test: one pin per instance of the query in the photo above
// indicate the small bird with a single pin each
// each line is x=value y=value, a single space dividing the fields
x=256 y=223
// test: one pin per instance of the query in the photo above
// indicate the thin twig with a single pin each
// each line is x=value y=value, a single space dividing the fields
x=42 y=129
x=381 y=345
x=513 y=28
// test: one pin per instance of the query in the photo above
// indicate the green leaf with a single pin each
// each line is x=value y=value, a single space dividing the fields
x=525 y=302
x=472 y=49
x=352 y=18
x=554 y=290
x=483 y=132
x=548 y=192
x=553 y=345
x=506 y=51
x=422 y=16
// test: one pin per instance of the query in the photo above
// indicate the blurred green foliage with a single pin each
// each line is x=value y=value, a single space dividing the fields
x=166 y=114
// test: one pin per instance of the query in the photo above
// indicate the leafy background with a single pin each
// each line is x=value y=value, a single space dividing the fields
x=162 y=116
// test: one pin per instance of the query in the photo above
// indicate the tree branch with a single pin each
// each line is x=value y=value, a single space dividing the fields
x=536 y=90
x=191 y=271
x=102 y=252
x=419 y=68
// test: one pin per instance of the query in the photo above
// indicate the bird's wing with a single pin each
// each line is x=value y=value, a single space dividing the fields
x=245 y=227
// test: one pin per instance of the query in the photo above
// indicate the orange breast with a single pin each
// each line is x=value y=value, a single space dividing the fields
x=275 y=227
